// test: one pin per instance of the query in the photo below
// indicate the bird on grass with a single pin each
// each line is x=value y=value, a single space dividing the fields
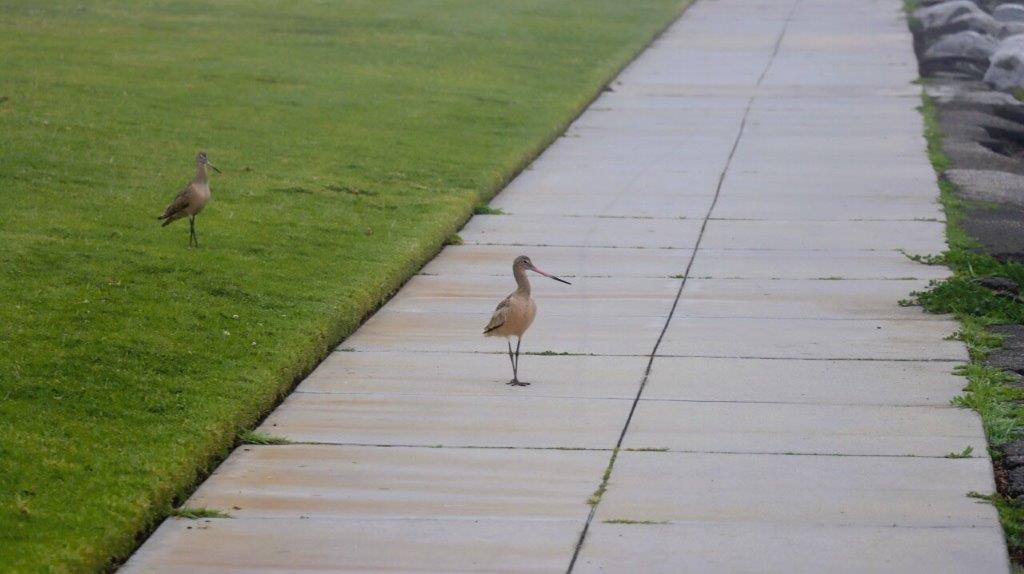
x=191 y=200
x=514 y=315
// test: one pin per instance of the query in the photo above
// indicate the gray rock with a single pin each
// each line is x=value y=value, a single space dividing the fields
x=947 y=91
x=968 y=44
x=1009 y=13
x=1007 y=109
x=966 y=53
x=1000 y=285
x=964 y=132
x=1008 y=29
x=1013 y=454
x=985 y=185
x=999 y=230
x=1010 y=356
x=945 y=12
x=978 y=119
x=1015 y=482
x=969 y=154
x=961 y=94
x=978 y=126
x=1012 y=461
x=1014 y=448
x=1007 y=68
x=979 y=22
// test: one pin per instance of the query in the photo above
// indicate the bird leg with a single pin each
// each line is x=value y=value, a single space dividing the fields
x=518 y=341
x=515 y=364
x=511 y=360
x=193 y=237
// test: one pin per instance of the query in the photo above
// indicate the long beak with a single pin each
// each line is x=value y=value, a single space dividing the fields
x=549 y=276
x=213 y=166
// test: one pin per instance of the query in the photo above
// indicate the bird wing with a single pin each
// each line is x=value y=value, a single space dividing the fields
x=179 y=202
x=500 y=314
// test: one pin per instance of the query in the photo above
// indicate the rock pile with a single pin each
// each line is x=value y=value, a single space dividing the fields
x=971 y=39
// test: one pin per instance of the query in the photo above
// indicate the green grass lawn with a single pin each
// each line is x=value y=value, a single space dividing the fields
x=354 y=137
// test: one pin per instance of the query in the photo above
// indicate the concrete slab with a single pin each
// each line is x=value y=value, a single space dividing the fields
x=675 y=121
x=801 y=299
x=744 y=93
x=849 y=208
x=639 y=205
x=445 y=332
x=788 y=180
x=812 y=152
x=613 y=296
x=796 y=264
x=773 y=548
x=280 y=546
x=581 y=231
x=812 y=339
x=787 y=176
x=319 y=481
x=919 y=237
x=618 y=177
x=744 y=427
x=703 y=67
x=504 y=422
x=798 y=490
x=474 y=374
x=481 y=260
x=895 y=383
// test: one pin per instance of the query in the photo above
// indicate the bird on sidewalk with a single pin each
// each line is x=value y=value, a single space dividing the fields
x=514 y=315
x=191 y=200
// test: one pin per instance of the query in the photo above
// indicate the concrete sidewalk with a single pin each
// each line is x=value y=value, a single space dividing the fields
x=732 y=213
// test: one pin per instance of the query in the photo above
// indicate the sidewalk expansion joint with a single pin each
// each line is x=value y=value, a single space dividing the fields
x=652 y=450
x=682 y=285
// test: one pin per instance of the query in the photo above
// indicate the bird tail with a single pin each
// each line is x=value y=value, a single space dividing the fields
x=169 y=218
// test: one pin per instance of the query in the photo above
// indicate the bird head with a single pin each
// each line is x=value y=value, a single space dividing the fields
x=523 y=262
x=202 y=160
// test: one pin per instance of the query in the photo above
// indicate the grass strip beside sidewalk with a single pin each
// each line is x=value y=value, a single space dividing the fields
x=1000 y=405
x=354 y=136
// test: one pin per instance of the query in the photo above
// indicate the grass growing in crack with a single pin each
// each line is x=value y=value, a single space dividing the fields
x=195 y=513
x=1011 y=516
x=1000 y=406
x=627 y=521
x=601 y=488
x=965 y=453
x=487 y=210
x=998 y=403
x=253 y=437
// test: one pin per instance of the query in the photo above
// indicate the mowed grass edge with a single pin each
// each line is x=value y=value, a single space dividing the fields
x=354 y=136
x=989 y=391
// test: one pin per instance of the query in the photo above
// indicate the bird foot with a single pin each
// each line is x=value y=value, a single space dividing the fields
x=517 y=383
